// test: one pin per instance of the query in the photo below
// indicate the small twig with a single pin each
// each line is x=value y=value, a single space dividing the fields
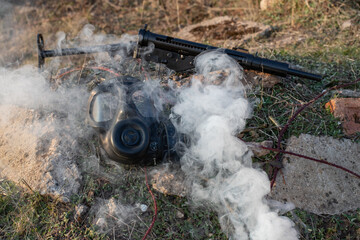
x=26 y=184
x=178 y=14
x=113 y=5
x=82 y=69
x=155 y=206
x=292 y=12
x=299 y=222
x=228 y=8
x=273 y=120
x=132 y=230
x=118 y=219
x=308 y=5
x=142 y=10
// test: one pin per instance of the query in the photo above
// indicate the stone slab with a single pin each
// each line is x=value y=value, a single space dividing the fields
x=317 y=187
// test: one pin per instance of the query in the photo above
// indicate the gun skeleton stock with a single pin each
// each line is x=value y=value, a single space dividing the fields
x=176 y=54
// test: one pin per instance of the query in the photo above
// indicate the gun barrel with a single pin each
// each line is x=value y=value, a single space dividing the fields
x=42 y=53
x=83 y=50
x=245 y=59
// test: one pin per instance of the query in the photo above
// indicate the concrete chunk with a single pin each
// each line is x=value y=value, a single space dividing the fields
x=317 y=187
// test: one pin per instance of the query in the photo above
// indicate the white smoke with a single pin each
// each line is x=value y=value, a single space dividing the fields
x=26 y=87
x=218 y=166
x=40 y=130
x=111 y=213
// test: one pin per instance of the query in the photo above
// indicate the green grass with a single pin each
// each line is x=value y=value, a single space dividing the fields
x=342 y=226
x=33 y=216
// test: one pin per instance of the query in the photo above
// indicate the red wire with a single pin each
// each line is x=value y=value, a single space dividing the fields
x=283 y=130
x=65 y=73
x=155 y=207
x=106 y=69
x=310 y=158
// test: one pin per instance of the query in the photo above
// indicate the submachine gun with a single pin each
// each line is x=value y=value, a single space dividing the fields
x=130 y=128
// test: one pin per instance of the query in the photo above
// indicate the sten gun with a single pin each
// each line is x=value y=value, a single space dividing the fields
x=176 y=54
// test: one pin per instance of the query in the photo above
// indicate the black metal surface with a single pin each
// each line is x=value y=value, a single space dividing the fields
x=246 y=60
x=112 y=49
x=40 y=44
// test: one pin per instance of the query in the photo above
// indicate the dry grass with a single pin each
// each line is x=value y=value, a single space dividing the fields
x=18 y=30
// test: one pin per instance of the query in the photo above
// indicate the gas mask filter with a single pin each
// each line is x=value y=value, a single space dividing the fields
x=130 y=128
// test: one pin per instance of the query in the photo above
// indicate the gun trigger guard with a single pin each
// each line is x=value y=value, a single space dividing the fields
x=175 y=61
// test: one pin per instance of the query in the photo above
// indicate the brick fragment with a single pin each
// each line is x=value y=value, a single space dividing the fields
x=348 y=110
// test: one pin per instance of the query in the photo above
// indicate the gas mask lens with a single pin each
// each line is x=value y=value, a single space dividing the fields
x=104 y=107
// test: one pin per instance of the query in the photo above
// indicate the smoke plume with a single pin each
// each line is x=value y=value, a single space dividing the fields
x=218 y=165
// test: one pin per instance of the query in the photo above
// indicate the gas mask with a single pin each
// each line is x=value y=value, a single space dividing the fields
x=130 y=128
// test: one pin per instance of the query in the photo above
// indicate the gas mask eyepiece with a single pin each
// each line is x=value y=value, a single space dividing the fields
x=130 y=128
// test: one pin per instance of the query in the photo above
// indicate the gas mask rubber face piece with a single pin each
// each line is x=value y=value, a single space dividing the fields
x=131 y=130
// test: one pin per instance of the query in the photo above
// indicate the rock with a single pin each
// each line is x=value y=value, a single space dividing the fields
x=266 y=4
x=316 y=187
x=180 y=214
x=225 y=31
x=258 y=151
x=101 y=223
x=5 y=9
x=346 y=93
x=264 y=80
x=80 y=211
x=143 y=207
x=111 y=213
x=348 y=110
x=37 y=149
x=346 y=24
x=168 y=179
